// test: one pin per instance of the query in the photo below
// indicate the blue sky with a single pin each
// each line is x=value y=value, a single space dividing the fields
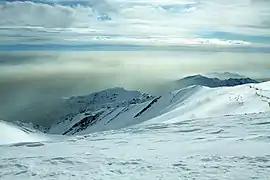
x=112 y=24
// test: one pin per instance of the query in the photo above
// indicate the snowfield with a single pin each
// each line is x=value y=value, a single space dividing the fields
x=225 y=148
x=197 y=132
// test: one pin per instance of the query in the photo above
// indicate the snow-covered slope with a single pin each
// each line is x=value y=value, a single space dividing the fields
x=217 y=102
x=223 y=148
x=80 y=112
x=10 y=133
x=195 y=133
x=193 y=102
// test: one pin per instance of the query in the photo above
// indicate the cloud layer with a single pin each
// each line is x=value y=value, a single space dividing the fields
x=144 y=22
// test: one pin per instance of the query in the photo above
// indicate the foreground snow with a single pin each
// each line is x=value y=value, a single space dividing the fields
x=226 y=148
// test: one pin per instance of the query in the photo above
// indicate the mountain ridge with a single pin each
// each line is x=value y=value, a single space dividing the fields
x=209 y=82
x=192 y=102
x=117 y=108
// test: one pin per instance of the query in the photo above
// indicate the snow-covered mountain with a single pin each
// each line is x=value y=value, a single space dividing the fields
x=118 y=108
x=224 y=75
x=79 y=112
x=196 y=132
x=209 y=82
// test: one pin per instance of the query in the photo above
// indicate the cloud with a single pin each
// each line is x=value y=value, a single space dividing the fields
x=134 y=22
x=155 y=65
x=83 y=72
x=41 y=15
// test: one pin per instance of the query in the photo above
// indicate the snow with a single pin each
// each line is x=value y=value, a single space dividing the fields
x=108 y=104
x=197 y=132
x=11 y=133
x=223 y=148
x=216 y=102
x=193 y=102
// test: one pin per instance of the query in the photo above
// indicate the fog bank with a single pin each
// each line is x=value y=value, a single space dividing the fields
x=31 y=83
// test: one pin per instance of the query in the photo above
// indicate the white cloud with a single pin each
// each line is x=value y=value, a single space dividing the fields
x=139 y=22
x=31 y=14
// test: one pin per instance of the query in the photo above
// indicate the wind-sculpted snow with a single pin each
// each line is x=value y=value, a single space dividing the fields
x=224 y=148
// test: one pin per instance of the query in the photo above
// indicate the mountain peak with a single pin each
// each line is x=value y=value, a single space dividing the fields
x=196 y=76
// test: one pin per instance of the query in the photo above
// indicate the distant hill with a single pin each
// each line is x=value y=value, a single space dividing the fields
x=224 y=75
x=210 y=82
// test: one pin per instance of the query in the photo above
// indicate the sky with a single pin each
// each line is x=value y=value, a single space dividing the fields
x=56 y=48
x=111 y=24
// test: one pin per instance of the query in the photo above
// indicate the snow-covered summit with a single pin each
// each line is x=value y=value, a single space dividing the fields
x=116 y=95
x=96 y=103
